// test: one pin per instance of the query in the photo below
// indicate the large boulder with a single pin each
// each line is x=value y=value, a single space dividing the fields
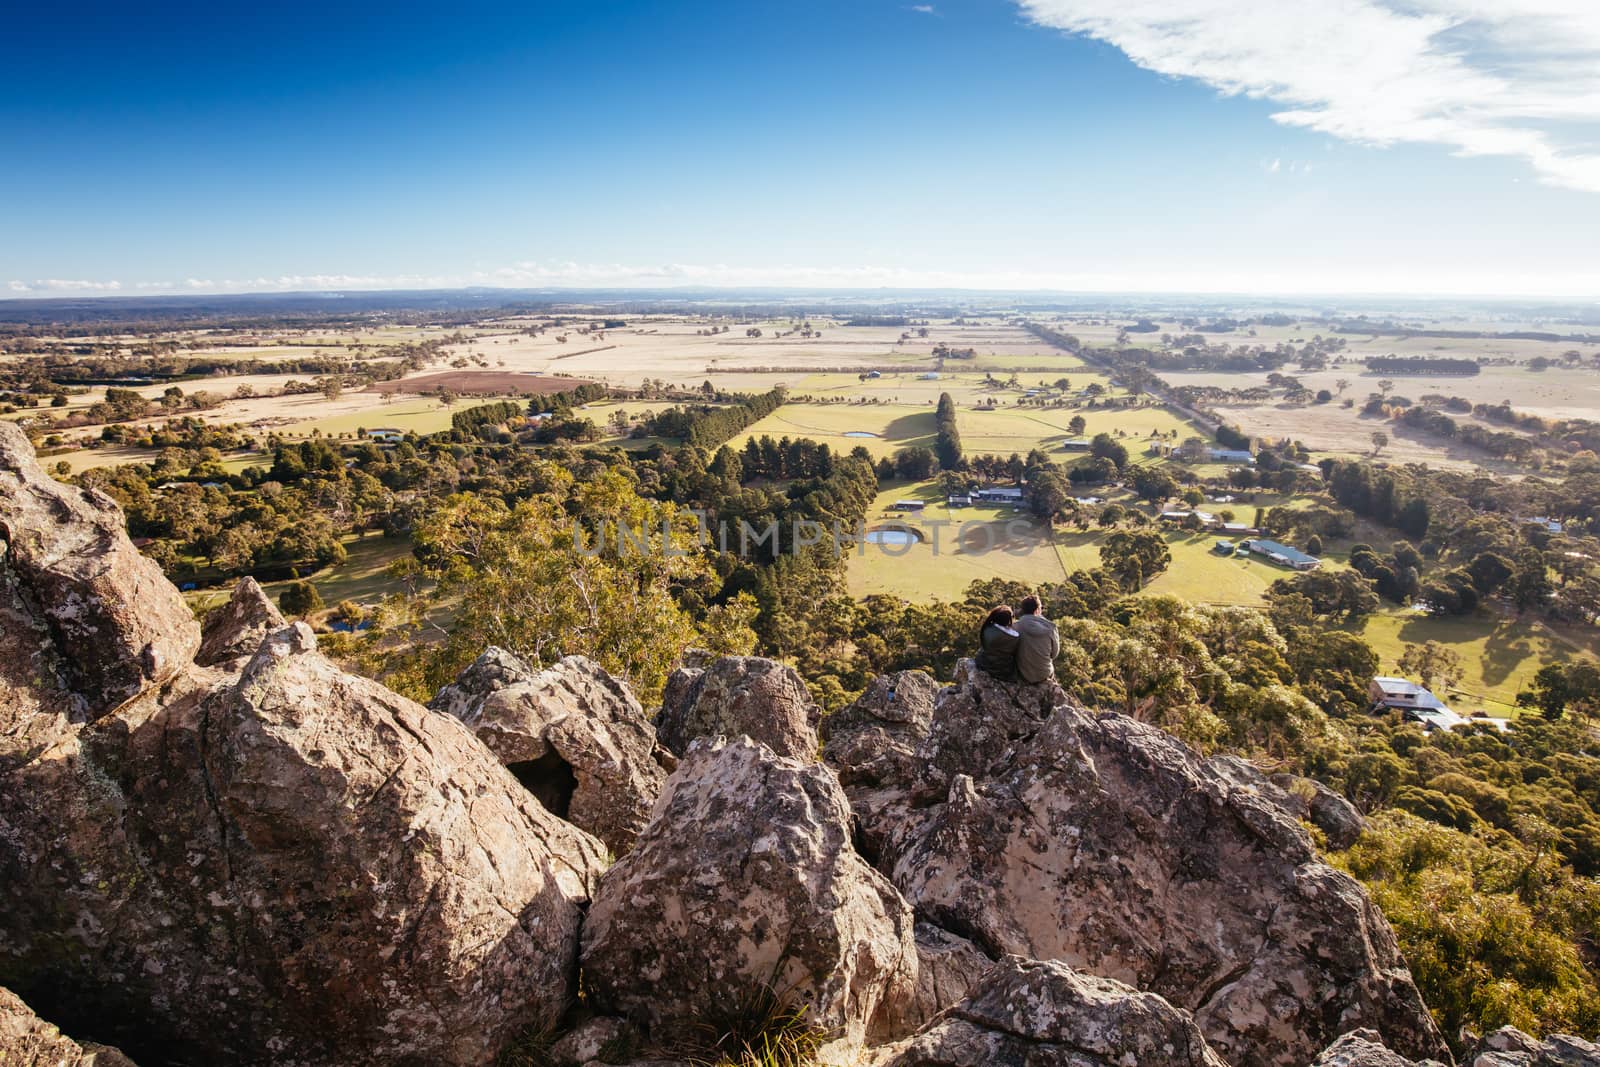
x=494 y=669
x=948 y=969
x=28 y=1041
x=287 y=864
x=233 y=632
x=573 y=735
x=86 y=622
x=1108 y=845
x=1364 y=1048
x=1026 y=1012
x=108 y=623
x=1304 y=799
x=740 y=695
x=978 y=720
x=745 y=882
x=1510 y=1047
x=872 y=742
x=872 y=745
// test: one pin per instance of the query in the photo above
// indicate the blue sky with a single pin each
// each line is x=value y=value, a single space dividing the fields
x=1204 y=145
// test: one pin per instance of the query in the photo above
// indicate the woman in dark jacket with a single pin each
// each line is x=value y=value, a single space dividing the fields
x=997 y=643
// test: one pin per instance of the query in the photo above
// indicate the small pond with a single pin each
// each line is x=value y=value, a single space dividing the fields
x=893 y=535
x=859 y=433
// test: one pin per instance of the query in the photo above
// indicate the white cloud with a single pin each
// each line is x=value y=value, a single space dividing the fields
x=1275 y=165
x=1484 y=77
x=923 y=9
x=59 y=286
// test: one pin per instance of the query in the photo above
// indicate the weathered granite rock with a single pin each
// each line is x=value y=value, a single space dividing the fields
x=28 y=1041
x=111 y=624
x=85 y=621
x=1304 y=799
x=573 y=735
x=740 y=695
x=494 y=669
x=289 y=865
x=1364 y=1048
x=602 y=1039
x=1510 y=1047
x=233 y=632
x=871 y=742
x=977 y=722
x=1109 y=845
x=948 y=969
x=1026 y=1012
x=745 y=881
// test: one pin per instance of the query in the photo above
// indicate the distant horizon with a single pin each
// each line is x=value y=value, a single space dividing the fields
x=905 y=292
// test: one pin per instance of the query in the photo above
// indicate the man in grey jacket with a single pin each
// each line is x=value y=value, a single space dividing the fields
x=1040 y=644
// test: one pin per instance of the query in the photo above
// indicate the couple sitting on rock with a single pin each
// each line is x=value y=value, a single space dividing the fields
x=1021 y=646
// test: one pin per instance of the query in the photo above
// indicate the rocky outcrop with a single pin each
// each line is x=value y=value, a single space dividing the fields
x=872 y=745
x=494 y=669
x=86 y=622
x=1364 y=1048
x=602 y=1039
x=948 y=968
x=976 y=723
x=1510 y=1047
x=740 y=695
x=1110 y=846
x=108 y=622
x=1048 y=1015
x=745 y=882
x=573 y=735
x=258 y=858
x=232 y=633
x=293 y=861
x=872 y=742
x=1303 y=799
x=28 y=1041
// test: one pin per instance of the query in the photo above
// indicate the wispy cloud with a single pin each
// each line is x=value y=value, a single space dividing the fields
x=1514 y=78
x=923 y=9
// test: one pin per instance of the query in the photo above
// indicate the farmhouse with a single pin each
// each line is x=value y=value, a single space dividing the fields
x=1176 y=517
x=959 y=500
x=908 y=505
x=1414 y=702
x=1008 y=494
x=1231 y=455
x=1076 y=444
x=1283 y=555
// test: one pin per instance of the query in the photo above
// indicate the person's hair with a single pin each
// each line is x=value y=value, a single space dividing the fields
x=1000 y=616
x=1030 y=605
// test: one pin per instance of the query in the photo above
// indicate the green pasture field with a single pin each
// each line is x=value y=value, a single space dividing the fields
x=897 y=426
x=362 y=577
x=1057 y=362
x=1017 y=429
x=421 y=415
x=1199 y=575
x=1499 y=652
x=1025 y=550
x=1000 y=543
